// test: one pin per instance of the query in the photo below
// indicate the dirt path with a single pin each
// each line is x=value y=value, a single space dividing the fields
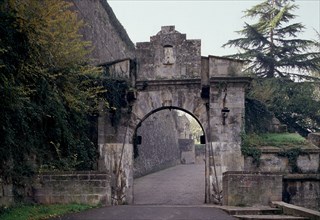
x=179 y=185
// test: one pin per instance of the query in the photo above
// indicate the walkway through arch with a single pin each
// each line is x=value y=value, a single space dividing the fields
x=169 y=163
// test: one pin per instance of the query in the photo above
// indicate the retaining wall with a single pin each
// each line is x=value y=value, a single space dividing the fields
x=251 y=188
x=302 y=190
x=271 y=161
x=84 y=187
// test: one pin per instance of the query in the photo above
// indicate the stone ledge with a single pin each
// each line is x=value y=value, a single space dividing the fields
x=72 y=172
x=230 y=79
x=253 y=173
x=297 y=210
x=274 y=150
x=302 y=177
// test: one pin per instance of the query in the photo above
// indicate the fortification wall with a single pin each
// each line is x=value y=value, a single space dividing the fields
x=109 y=39
x=159 y=148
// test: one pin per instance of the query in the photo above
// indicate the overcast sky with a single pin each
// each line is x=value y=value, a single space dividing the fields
x=212 y=21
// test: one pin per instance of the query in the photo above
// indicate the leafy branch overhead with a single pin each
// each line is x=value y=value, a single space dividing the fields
x=271 y=45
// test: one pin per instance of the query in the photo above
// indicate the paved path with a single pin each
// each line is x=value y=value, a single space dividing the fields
x=179 y=185
x=176 y=193
x=136 y=212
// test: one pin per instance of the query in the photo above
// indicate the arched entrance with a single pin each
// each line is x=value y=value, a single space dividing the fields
x=169 y=72
x=168 y=165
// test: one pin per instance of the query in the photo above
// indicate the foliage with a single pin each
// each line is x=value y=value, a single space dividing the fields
x=250 y=147
x=116 y=94
x=271 y=44
x=290 y=144
x=295 y=104
x=34 y=212
x=257 y=116
x=292 y=155
x=282 y=139
x=48 y=91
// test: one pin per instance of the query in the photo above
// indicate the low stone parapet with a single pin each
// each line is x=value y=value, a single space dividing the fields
x=6 y=194
x=242 y=188
x=81 y=187
x=273 y=159
x=302 y=190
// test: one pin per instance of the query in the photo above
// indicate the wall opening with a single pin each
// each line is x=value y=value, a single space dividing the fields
x=169 y=166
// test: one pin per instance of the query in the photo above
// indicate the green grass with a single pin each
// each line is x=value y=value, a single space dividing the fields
x=38 y=212
x=283 y=139
x=276 y=140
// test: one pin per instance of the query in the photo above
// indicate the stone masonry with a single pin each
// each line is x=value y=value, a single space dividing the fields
x=159 y=146
x=81 y=187
x=171 y=74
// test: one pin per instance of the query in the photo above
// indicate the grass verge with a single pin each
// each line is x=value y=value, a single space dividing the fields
x=276 y=140
x=40 y=212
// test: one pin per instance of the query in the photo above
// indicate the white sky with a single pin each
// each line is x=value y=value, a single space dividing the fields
x=212 y=21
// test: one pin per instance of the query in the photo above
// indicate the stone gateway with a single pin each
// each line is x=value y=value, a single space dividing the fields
x=169 y=73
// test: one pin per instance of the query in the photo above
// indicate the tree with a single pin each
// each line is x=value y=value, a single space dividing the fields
x=48 y=91
x=277 y=57
x=271 y=45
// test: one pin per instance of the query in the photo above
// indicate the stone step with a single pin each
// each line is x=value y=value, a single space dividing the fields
x=290 y=209
x=259 y=210
x=269 y=217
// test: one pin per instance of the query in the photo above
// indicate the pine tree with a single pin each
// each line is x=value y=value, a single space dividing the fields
x=271 y=45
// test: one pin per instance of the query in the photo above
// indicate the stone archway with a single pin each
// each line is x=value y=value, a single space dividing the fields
x=169 y=72
x=168 y=167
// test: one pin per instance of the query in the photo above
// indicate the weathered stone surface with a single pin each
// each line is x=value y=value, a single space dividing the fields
x=185 y=58
x=159 y=148
x=6 y=194
x=250 y=188
x=109 y=39
x=89 y=188
x=314 y=138
x=271 y=161
x=187 y=151
x=222 y=67
x=170 y=75
x=302 y=190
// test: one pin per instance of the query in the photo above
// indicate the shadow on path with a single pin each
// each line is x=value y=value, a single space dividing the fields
x=179 y=185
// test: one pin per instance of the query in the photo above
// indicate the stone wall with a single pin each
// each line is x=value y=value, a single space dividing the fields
x=314 y=138
x=171 y=74
x=82 y=187
x=159 y=148
x=169 y=55
x=200 y=151
x=251 y=188
x=6 y=194
x=187 y=151
x=270 y=161
x=109 y=39
x=302 y=190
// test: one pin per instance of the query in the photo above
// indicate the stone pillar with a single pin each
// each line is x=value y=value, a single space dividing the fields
x=116 y=157
x=225 y=134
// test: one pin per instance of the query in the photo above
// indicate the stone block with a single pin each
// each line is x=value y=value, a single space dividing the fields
x=302 y=190
x=314 y=138
x=66 y=188
x=250 y=188
x=187 y=157
x=308 y=163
